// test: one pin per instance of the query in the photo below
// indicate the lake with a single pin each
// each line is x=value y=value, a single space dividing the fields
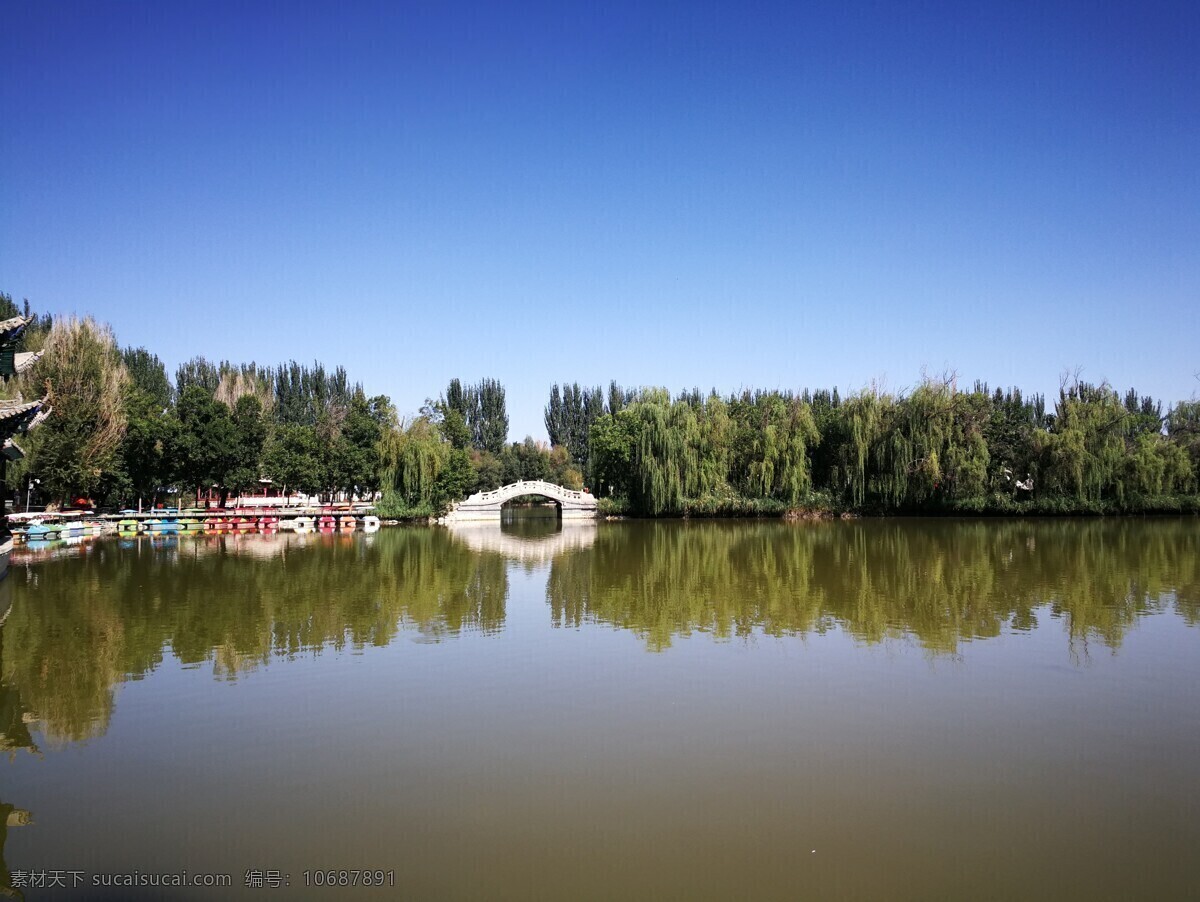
x=894 y=709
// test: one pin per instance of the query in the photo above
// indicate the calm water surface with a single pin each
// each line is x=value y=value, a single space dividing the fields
x=869 y=710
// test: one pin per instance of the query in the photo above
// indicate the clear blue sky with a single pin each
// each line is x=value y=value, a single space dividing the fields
x=728 y=195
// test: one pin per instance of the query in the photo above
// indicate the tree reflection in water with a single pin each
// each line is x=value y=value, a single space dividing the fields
x=78 y=628
x=940 y=581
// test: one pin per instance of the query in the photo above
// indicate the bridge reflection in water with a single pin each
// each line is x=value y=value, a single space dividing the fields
x=527 y=549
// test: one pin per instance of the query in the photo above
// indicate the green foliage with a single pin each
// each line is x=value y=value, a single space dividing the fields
x=150 y=447
x=249 y=436
x=120 y=431
x=937 y=448
x=455 y=480
x=475 y=416
x=1183 y=432
x=208 y=442
x=412 y=458
x=489 y=473
x=76 y=451
x=148 y=376
x=454 y=428
x=772 y=435
x=292 y=458
x=561 y=469
x=310 y=396
x=611 y=442
x=355 y=455
x=570 y=414
x=198 y=372
x=525 y=460
x=664 y=459
x=393 y=507
x=614 y=507
x=491 y=428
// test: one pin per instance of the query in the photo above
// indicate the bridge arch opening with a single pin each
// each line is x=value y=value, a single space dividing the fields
x=531 y=516
x=534 y=501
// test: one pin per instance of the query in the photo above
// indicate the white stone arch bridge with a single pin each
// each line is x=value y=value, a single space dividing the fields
x=486 y=505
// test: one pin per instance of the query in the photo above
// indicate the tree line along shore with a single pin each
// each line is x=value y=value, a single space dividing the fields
x=123 y=432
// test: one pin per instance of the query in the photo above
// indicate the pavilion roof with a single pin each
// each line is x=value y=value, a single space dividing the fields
x=11 y=329
x=18 y=415
x=12 y=363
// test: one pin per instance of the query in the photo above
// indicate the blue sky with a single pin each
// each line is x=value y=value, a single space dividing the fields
x=728 y=195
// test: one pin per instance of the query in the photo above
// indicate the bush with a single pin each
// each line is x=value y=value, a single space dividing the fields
x=613 y=507
x=394 y=507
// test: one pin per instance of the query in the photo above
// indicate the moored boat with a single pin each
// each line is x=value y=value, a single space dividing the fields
x=37 y=531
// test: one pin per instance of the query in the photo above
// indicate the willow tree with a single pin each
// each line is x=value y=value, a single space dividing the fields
x=772 y=434
x=659 y=459
x=936 y=448
x=1156 y=466
x=1084 y=454
x=715 y=446
x=412 y=457
x=75 y=453
x=1183 y=431
x=666 y=465
x=865 y=418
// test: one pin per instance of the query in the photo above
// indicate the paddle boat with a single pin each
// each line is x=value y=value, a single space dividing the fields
x=39 y=531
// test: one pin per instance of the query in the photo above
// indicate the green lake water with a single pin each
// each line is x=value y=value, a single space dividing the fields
x=904 y=709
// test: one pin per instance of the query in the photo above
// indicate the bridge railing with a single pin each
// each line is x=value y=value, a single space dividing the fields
x=531 y=487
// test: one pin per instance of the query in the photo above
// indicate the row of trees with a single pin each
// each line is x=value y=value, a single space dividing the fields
x=935 y=448
x=122 y=430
